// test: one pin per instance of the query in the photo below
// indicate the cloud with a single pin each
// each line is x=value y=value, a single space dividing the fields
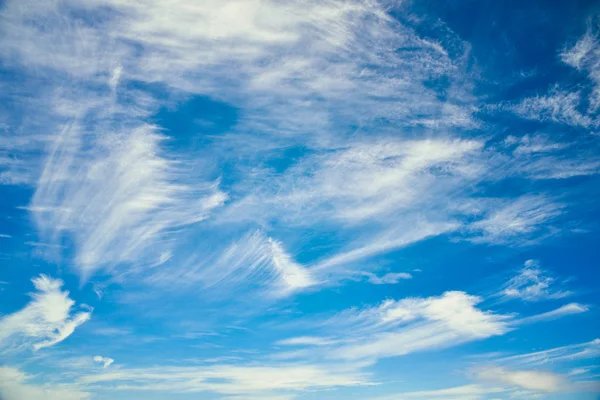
x=45 y=321
x=563 y=105
x=584 y=55
x=540 y=157
x=366 y=182
x=529 y=144
x=5 y=236
x=386 y=241
x=105 y=361
x=249 y=380
x=568 y=309
x=466 y=392
x=389 y=278
x=306 y=341
x=14 y=385
x=539 y=381
x=118 y=200
x=114 y=188
x=254 y=262
x=568 y=353
x=558 y=106
x=532 y=284
x=396 y=328
x=517 y=221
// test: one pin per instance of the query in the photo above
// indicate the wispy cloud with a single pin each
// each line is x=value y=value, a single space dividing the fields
x=466 y=392
x=306 y=341
x=389 y=278
x=45 y=321
x=533 y=284
x=517 y=221
x=231 y=379
x=254 y=261
x=580 y=351
x=541 y=157
x=105 y=361
x=568 y=309
x=16 y=385
x=396 y=328
x=539 y=381
x=584 y=55
x=117 y=201
x=559 y=106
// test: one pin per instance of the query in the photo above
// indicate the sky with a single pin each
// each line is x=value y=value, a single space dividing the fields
x=299 y=199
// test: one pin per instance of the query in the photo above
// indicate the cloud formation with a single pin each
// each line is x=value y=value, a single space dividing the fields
x=396 y=328
x=45 y=321
x=533 y=284
x=105 y=361
x=17 y=385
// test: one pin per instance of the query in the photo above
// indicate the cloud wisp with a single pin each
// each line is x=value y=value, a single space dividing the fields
x=397 y=328
x=46 y=320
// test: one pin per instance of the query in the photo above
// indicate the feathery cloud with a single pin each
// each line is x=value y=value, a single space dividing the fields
x=45 y=321
x=15 y=385
x=567 y=309
x=231 y=379
x=517 y=221
x=117 y=201
x=396 y=328
x=532 y=284
x=540 y=381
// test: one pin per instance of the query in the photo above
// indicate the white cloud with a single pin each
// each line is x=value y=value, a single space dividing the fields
x=557 y=106
x=563 y=105
x=584 y=55
x=15 y=385
x=255 y=261
x=386 y=241
x=579 y=371
x=306 y=341
x=576 y=55
x=292 y=274
x=117 y=200
x=568 y=309
x=580 y=351
x=267 y=380
x=105 y=361
x=396 y=328
x=466 y=392
x=533 y=284
x=517 y=221
x=529 y=144
x=119 y=196
x=367 y=182
x=540 y=381
x=45 y=321
x=540 y=157
x=380 y=194
x=389 y=278
x=4 y=235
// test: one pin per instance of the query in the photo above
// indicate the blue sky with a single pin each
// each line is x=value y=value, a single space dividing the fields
x=263 y=199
